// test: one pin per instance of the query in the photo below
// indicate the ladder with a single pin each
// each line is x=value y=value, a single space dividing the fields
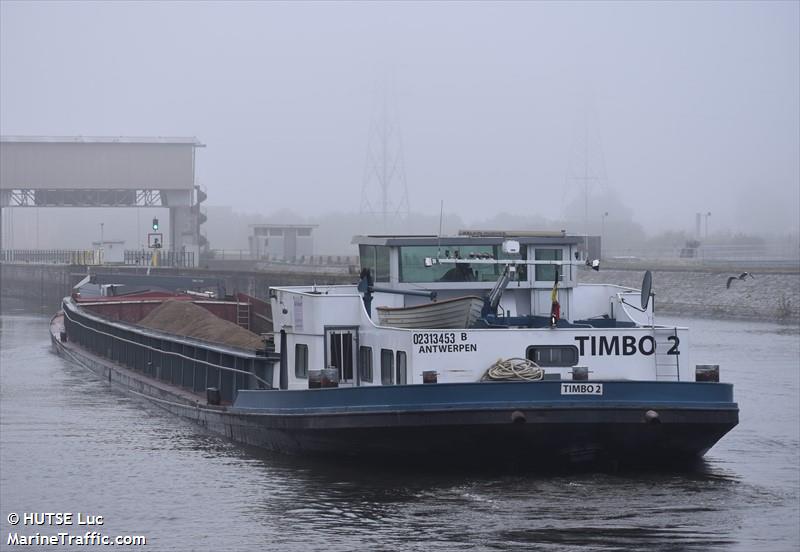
x=243 y=315
x=667 y=355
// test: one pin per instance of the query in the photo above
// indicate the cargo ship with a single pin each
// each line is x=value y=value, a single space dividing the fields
x=476 y=349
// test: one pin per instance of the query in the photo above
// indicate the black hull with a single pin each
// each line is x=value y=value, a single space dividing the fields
x=473 y=438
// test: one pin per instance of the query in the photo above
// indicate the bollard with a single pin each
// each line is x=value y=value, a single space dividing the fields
x=430 y=376
x=213 y=396
x=706 y=372
x=580 y=373
x=330 y=377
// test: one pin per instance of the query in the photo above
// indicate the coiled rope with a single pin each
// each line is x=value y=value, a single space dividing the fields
x=514 y=369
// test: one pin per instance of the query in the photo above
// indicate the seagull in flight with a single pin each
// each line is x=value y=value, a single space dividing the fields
x=741 y=276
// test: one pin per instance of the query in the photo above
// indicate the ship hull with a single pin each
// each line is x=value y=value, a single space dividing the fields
x=481 y=438
x=522 y=424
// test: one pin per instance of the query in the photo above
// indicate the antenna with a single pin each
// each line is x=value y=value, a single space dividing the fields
x=647 y=289
x=439 y=238
x=646 y=295
x=586 y=168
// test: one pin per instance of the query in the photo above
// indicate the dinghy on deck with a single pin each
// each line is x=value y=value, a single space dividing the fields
x=456 y=313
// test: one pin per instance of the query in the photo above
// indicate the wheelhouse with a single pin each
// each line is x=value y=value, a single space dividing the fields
x=601 y=329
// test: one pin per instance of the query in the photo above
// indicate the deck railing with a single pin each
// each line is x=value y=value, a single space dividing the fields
x=163 y=257
x=87 y=257
x=246 y=255
x=52 y=256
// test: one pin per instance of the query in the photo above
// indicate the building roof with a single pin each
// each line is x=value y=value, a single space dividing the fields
x=284 y=225
x=525 y=238
x=189 y=141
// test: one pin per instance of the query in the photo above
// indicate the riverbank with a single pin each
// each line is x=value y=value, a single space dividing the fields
x=769 y=296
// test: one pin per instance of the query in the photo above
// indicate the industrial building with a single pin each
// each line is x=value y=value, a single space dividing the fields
x=78 y=171
x=281 y=241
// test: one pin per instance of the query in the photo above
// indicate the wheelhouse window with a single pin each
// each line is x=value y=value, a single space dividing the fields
x=301 y=360
x=553 y=355
x=365 y=363
x=376 y=259
x=547 y=272
x=401 y=371
x=413 y=269
x=387 y=367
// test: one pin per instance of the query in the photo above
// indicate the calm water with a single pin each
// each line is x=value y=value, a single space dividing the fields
x=70 y=444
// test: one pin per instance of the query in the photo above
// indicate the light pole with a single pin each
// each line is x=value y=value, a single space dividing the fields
x=102 y=248
x=602 y=231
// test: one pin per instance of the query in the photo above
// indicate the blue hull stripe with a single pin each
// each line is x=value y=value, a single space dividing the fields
x=486 y=396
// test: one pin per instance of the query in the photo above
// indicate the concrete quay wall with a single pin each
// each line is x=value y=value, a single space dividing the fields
x=38 y=286
x=771 y=296
x=43 y=286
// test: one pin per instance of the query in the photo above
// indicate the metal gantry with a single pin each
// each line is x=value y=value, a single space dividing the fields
x=84 y=198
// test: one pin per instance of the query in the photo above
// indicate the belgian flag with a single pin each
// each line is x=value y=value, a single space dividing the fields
x=555 y=308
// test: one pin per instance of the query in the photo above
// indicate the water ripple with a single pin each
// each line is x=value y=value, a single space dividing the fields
x=70 y=442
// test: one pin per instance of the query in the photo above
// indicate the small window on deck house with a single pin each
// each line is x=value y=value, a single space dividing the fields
x=365 y=363
x=402 y=373
x=301 y=360
x=387 y=367
x=553 y=355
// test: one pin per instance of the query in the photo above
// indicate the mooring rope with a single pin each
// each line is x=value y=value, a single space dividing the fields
x=514 y=369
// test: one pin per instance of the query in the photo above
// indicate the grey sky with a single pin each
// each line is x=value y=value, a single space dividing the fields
x=696 y=104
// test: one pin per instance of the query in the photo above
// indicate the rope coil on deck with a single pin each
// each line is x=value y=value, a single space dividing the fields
x=513 y=369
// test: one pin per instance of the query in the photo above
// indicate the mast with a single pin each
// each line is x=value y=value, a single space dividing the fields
x=585 y=169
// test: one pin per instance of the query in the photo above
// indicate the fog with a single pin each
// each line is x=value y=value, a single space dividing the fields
x=664 y=109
